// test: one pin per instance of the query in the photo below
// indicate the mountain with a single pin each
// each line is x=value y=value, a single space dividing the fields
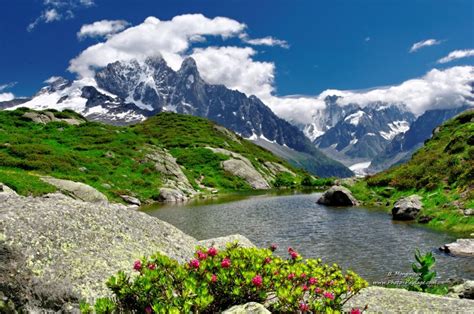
x=403 y=145
x=363 y=132
x=441 y=172
x=167 y=157
x=129 y=92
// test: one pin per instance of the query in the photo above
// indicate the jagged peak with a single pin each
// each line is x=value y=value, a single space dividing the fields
x=188 y=63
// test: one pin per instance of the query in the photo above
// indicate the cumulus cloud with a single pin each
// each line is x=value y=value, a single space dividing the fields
x=424 y=43
x=457 y=54
x=102 y=28
x=264 y=41
x=6 y=96
x=56 y=10
x=171 y=39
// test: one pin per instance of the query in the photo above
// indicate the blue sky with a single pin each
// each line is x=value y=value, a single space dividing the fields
x=345 y=45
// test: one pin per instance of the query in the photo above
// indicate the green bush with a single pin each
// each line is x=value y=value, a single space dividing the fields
x=214 y=281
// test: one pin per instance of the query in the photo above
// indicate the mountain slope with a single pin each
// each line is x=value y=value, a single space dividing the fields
x=179 y=152
x=442 y=172
x=129 y=92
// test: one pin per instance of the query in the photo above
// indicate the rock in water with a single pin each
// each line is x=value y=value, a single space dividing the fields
x=338 y=196
x=407 y=208
x=462 y=247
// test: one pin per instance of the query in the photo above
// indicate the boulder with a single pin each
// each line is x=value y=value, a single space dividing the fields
x=131 y=200
x=462 y=247
x=249 y=308
x=5 y=190
x=169 y=195
x=221 y=243
x=407 y=208
x=48 y=116
x=77 y=190
x=276 y=168
x=338 y=196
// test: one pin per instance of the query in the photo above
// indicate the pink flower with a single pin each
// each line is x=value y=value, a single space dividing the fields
x=213 y=278
x=312 y=281
x=194 y=263
x=148 y=310
x=212 y=251
x=225 y=263
x=257 y=280
x=201 y=256
x=291 y=276
x=267 y=260
x=273 y=247
x=303 y=275
x=328 y=295
x=290 y=249
x=137 y=265
x=294 y=255
x=305 y=288
x=355 y=311
x=276 y=272
x=318 y=290
x=151 y=266
x=304 y=307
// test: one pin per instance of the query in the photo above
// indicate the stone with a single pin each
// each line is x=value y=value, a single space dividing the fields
x=169 y=195
x=221 y=242
x=77 y=190
x=407 y=208
x=468 y=212
x=462 y=247
x=391 y=300
x=48 y=116
x=424 y=219
x=249 y=308
x=131 y=200
x=338 y=196
x=276 y=168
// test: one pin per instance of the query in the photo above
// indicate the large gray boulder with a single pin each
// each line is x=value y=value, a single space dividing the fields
x=464 y=290
x=249 y=308
x=407 y=208
x=77 y=190
x=462 y=247
x=338 y=196
x=169 y=195
x=221 y=242
x=48 y=116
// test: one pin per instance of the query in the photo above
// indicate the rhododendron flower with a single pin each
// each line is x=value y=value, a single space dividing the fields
x=194 y=263
x=291 y=276
x=304 y=307
x=267 y=260
x=273 y=247
x=328 y=295
x=148 y=310
x=212 y=251
x=137 y=265
x=303 y=275
x=355 y=311
x=225 y=263
x=213 y=278
x=257 y=280
x=290 y=249
x=318 y=290
x=312 y=281
x=151 y=266
x=294 y=255
x=305 y=288
x=201 y=255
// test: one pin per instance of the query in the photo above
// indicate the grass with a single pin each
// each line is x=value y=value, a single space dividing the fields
x=441 y=172
x=113 y=159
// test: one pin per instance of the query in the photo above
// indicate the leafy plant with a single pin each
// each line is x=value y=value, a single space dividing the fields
x=423 y=269
x=214 y=281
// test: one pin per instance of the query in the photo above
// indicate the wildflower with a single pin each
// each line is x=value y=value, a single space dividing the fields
x=294 y=255
x=291 y=276
x=303 y=275
x=212 y=251
x=148 y=310
x=267 y=260
x=328 y=295
x=312 y=281
x=355 y=311
x=257 y=280
x=305 y=288
x=273 y=247
x=318 y=290
x=225 y=263
x=194 y=263
x=201 y=256
x=137 y=265
x=290 y=249
x=213 y=278
x=151 y=266
x=304 y=307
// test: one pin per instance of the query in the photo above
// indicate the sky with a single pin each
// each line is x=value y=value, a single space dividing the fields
x=271 y=48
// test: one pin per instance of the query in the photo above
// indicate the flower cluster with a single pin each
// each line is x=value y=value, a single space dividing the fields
x=214 y=280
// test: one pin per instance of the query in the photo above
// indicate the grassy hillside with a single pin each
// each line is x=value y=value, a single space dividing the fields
x=442 y=172
x=113 y=159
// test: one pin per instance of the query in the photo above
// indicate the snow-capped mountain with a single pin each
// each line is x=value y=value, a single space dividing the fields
x=364 y=132
x=127 y=92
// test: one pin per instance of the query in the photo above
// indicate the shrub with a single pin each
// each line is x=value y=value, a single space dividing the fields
x=214 y=281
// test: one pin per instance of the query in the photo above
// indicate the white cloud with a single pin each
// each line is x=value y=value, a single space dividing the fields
x=235 y=68
x=264 y=41
x=171 y=39
x=424 y=43
x=56 y=10
x=6 y=96
x=457 y=54
x=7 y=86
x=102 y=28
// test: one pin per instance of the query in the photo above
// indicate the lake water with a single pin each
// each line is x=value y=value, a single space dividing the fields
x=364 y=240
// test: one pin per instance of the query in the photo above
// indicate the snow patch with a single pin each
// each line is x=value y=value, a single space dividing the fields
x=360 y=169
x=354 y=118
x=396 y=127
